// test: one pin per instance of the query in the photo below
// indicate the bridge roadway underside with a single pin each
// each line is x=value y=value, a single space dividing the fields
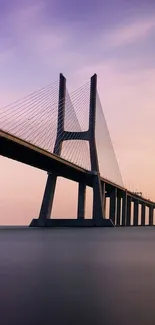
x=22 y=151
x=33 y=156
x=16 y=149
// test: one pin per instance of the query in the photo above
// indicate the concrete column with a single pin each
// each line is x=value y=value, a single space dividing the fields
x=143 y=215
x=97 y=190
x=124 y=208
x=118 y=211
x=135 y=213
x=104 y=207
x=97 y=200
x=104 y=199
x=47 y=203
x=151 y=215
x=81 y=201
x=128 y=216
x=61 y=115
x=113 y=197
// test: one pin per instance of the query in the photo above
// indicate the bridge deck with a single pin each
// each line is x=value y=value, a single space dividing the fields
x=27 y=153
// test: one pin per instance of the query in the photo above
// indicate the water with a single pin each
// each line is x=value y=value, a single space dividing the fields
x=77 y=276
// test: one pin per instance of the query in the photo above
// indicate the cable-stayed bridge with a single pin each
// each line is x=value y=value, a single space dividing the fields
x=66 y=135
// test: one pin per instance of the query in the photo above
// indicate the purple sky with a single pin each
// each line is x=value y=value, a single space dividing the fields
x=115 y=39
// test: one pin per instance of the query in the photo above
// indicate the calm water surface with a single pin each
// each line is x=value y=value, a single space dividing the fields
x=77 y=276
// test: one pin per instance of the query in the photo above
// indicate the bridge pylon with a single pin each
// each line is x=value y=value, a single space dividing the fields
x=89 y=135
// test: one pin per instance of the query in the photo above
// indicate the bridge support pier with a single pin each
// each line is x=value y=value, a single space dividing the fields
x=97 y=190
x=143 y=215
x=128 y=214
x=104 y=207
x=46 y=207
x=81 y=201
x=47 y=202
x=97 y=200
x=135 y=213
x=104 y=198
x=112 y=208
x=124 y=209
x=118 y=220
x=150 y=215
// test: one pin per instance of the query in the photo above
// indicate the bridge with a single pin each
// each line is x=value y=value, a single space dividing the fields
x=62 y=134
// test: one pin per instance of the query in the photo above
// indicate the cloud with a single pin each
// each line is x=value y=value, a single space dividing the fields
x=128 y=33
x=36 y=36
x=44 y=43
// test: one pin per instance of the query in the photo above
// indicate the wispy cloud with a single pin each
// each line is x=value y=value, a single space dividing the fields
x=46 y=42
x=32 y=33
x=129 y=33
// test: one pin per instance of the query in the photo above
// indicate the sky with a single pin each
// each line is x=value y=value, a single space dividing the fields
x=116 y=40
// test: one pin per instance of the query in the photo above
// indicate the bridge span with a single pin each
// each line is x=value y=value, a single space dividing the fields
x=17 y=149
x=120 y=199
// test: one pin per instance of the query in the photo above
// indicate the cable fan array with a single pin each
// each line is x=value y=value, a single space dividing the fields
x=109 y=168
x=34 y=119
x=29 y=118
